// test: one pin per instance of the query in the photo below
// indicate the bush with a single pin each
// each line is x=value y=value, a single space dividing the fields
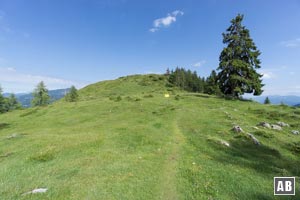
x=72 y=96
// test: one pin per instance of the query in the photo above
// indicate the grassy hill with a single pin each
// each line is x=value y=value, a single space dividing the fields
x=125 y=140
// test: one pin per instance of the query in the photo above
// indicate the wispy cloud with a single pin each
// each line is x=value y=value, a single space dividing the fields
x=14 y=81
x=199 y=64
x=291 y=43
x=281 y=90
x=165 y=21
x=268 y=75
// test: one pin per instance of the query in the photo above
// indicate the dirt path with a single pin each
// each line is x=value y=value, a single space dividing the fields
x=168 y=185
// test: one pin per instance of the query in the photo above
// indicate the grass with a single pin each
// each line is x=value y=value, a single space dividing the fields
x=124 y=140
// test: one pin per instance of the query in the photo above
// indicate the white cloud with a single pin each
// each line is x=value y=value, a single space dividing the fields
x=153 y=30
x=199 y=64
x=165 y=21
x=291 y=43
x=11 y=69
x=13 y=81
x=281 y=90
x=177 y=12
x=268 y=75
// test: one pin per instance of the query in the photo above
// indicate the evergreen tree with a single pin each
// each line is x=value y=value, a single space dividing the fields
x=2 y=102
x=239 y=61
x=167 y=72
x=13 y=103
x=40 y=95
x=187 y=80
x=211 y=86
x=267 y=101
x=72 y=96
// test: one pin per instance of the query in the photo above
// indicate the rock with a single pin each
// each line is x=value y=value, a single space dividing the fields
x=237 y=129
x=224 y=143
x=255 y=141
x=282 y=124
x=255 y=127
x=295 y=132
x=12 y=136
x=39 y=190
x=276 y=127
x=264 y=124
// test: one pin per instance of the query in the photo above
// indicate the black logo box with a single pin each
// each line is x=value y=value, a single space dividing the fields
x=284 y=185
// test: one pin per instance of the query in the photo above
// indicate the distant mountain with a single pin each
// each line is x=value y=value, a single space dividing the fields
x=297 y=105
x=25 y=98
x=276 y=99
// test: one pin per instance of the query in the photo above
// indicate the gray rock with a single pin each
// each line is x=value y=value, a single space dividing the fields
x=14 y=135
x=295 y=132
x=276 y=127
x=237 y=129
x=39 y=190
x=282 y=124
x=264 y=124
x=255 y=141
x=224 y=143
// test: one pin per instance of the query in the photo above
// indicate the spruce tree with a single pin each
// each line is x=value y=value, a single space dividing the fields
x=72 y=96
x=186 y=80
x=239 y=61
x=13 y=103
x=267 y=101
x=211 y=86
x=40 y=95
x=2 y=102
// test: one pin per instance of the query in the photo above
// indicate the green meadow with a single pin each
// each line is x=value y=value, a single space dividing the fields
x=123 y=139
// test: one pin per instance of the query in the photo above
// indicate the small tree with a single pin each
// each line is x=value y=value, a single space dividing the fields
x=13 y=103
x=211 y=86
x=238 y=62
x=167 y=72
x=2 y=102
x=40 y=95
x=267 y=101
x=187 y=80
x=72 y=96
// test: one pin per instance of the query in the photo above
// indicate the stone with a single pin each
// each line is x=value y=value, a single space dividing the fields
x=224 y=143
x=276 y=127
x=264 y=124
x=282 y=124
x=14 y=135
x=255 y=141
x=39 y=190
x=295 y=132
x=237 y=129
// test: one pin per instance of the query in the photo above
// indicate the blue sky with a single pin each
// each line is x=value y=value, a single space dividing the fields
x=77 y=42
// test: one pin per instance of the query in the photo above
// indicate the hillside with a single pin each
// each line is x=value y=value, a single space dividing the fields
x=124 y=139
